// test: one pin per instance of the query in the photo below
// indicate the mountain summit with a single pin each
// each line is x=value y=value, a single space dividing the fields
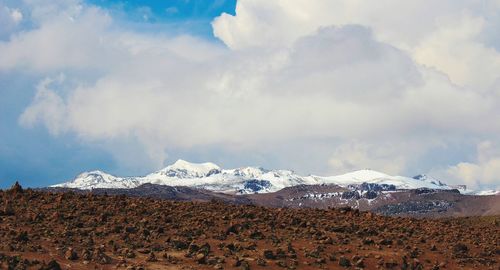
x=184 y=169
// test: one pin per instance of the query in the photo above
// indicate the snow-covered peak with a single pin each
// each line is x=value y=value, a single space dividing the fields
x=212 y=177
x=98 y=179
x=429 y=179
x=186 y=165
x=375 y=177
x=185 y=169
x=248 y=171
x=96 y=176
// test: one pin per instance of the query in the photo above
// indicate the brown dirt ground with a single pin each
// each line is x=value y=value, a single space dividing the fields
x=42 y=230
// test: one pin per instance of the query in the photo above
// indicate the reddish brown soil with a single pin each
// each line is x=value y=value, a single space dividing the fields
x=41 y=230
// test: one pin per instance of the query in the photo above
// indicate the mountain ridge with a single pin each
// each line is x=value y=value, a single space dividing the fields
x=247 y=180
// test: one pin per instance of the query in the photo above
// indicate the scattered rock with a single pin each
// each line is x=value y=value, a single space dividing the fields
x=460 y=249
x=344 y=262
x=88 y=230
x=16 y=188
x=52 y=265
x=360 y=263
x=269 y=254
x=71 y=254
x=201 y=258
x=152 y=257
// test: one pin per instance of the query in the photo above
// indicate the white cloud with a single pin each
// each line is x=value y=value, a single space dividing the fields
x=48 y=107
x=483 y=172
x=292 y=19
x=454 y=49
x=357 y=156
x=446 y=35
x=380 y=88
x=60 y=43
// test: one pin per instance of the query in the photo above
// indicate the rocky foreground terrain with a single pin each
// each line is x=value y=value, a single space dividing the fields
x=67 y=230
x=365 y=197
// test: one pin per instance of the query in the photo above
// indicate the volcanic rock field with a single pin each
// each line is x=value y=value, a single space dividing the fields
x=47 y=230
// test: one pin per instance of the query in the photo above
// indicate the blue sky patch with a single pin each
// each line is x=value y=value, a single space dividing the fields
x=183 y=16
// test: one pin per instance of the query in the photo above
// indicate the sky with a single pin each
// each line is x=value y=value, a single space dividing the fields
x=320 y=87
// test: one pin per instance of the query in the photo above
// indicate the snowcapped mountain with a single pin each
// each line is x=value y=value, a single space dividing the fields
x=99 y=179
x=203 y=175
x=429 y=179
x=185 y=170
x=374 y=177
x=244 y=180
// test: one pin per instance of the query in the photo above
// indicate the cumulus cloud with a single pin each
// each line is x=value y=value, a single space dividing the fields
x=378 y=92
x=60 y=42
x=446 y=35
x=356 y=156
x=455 y=50
x=48 y=107
x=481 y=172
